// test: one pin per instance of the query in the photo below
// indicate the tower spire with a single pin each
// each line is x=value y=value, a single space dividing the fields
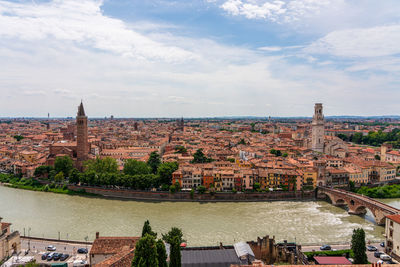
x=81 y=110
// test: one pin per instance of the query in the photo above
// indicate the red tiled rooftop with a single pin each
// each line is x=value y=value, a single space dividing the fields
x=323 y=260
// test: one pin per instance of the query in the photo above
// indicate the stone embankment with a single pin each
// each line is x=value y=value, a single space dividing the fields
x=186 y=196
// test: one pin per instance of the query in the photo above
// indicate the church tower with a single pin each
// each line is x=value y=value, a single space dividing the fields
x=82 y=146
x=318 y=129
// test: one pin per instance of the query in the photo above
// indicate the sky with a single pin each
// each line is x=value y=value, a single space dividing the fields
x=203 y=58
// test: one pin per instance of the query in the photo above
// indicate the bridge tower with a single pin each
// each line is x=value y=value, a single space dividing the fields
x=318 y=129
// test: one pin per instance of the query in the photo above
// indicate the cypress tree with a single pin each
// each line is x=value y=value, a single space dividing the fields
x=175 y=256
x=358 y=246
x=145 y=252
x=161 y=254
x=147 y=229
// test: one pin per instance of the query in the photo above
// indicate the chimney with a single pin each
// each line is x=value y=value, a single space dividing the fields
x=97 y=235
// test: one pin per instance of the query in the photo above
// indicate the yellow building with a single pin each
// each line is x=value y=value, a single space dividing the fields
x=10 y=242
x=310 y=177
x=392 y=231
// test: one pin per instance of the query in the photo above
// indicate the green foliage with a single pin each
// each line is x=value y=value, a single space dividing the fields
x=42 y=170
x=165 y=171
x=285 y=154
x=275 y=152
x=161 y=254
x=358 y=246
x=174 y=232
x=192 y=193
x=63 y=164
x=374 y=138
x=377 y=157
x=145 y=252
x=310 y=255
x=256 y=186
x=18 y=137
x=59 y=177
x=180 y=149
x=134 y=167
x=147 y=229
x=241 y=142
x=201 y=189
x=386 y=191
x=74 y=176
x=352 y=186
x=231 y=160
x=154 y=161
x=175 y=256
x=172 y=188
x=105 y=165
x=199 y=157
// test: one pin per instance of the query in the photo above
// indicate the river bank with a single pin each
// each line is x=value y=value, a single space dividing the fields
x=129 y=194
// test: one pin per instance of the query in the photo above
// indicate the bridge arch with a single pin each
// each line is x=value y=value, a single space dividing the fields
x=358 y=204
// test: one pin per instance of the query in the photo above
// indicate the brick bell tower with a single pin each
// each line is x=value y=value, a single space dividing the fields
x=82 y=146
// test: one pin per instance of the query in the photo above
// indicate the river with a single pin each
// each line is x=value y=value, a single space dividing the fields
x=75 y=217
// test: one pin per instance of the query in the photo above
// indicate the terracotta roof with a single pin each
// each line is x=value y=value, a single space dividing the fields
x=112 y=245
x=395 y=218
x=324 y=260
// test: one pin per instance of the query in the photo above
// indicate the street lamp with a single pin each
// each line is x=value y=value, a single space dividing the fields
x=29 y=239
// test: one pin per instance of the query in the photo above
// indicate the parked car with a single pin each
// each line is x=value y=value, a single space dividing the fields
x=64 y=257
x=44 y=256
x=50 y=256
x=82 y=251
x=385 y=257
x=79 y=263
x=325 y=247
x=57 y=256
x=382 y=244
x=371 y=248
x=51 y=248
x=380 y=262
x=378 y=254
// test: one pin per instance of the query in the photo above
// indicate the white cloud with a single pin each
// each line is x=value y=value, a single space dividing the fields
x=276 y=10
x=369 y=42
x=56 y=56
x=34 y=93
x=82 y=22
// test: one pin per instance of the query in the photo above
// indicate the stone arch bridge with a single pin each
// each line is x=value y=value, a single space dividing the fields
x=358 y=204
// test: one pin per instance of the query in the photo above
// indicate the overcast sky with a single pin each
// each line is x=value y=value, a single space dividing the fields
x=160 y=58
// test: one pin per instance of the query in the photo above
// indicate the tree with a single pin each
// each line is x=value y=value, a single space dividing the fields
x=18 y=137
x=201 y=189
x=174 y=232
x=145 y=252
x=147 y=229
x=43 y=170
x=352 y=186
x=358 y=246
x=285 y=154
x=256 y=186
x=377 y=157
x=133 y=167
x=161 y=254
x=59 y=177
x=165 y=171
x=242 y=142
x=154 y=161
x=199 y=157
x=74 y=176
x=180 y=149
x=175 y=255
x=63 y=164
x=99 y=165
